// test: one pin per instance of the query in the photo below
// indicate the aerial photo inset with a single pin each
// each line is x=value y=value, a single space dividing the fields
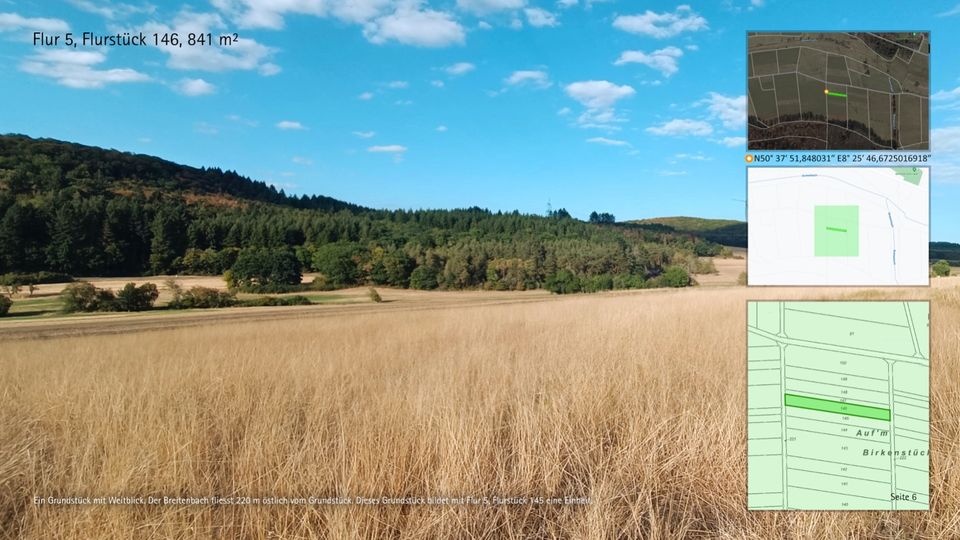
x=838 y=90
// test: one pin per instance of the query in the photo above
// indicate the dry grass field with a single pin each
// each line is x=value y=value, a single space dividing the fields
x=634 y=400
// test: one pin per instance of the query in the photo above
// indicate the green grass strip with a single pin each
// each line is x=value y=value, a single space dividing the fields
x=835 y=407
x=836 y=229
x=837 y=94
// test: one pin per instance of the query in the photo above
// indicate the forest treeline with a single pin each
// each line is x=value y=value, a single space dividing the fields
x=86 y=211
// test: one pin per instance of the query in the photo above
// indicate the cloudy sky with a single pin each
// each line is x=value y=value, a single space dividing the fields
x=634 y=108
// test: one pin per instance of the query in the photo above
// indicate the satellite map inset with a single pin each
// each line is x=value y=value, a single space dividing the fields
x=838 y=90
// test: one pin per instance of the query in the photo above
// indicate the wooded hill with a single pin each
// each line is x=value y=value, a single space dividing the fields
x=88 y=211
x=728 y=232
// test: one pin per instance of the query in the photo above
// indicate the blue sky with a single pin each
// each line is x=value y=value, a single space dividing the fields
x=625 y=107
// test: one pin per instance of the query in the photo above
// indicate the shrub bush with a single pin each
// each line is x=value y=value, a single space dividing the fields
x=424 y=278
x=338 y=262
x=202 y=298
x=374 y=295
x=295 y=300
x=5 y=304
x=134 y=298
x=940 y=268
x=265 y=270
x=320 y=283
x=628 y=281
x=83 y=296
x=674 y=276
x=563 y=282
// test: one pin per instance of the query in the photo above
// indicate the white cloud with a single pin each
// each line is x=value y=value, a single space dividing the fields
x=76 y=68
x=564 y=111
x=289 y=125
x=460 y=68
x=265 y=14
x=946 y=95
x=606 y=119
x=945 y=141
x=205 y=128
x=730 y=110
x=388 y=149
x=535 y=78
x=732 y=142
x=442 y=129
x=955 y=10
x=413 y=26
x=607 y=142
x=365 y=96
x=516 y=24
x=669 y=172
x=403 y=102
x=269 y=69
x=692 y=157
x=539 y=18
x=662 y=25
x=484 y=25
x=483 y=7
x=195 y=87
x=682 y=126
x=398 y=84
x=692 y=47
x=566 y=4
x=270 y=13
x=663 y=60
x=241 y=120
x=300 y=160
x=245 y=54
x=12 y=21
x=111 y=10
x=409 y=22
x=598 y=94
x=437 y=84
x=599 y=98
x=757 y=3
x=365 y=134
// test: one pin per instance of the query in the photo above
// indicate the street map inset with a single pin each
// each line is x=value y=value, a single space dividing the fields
x=838 y=226
x=838 y=405
x=838 y=90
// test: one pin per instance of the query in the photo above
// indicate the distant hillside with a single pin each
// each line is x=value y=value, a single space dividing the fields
x=87 y=211
x=728 y=232
x=52 y=165
x=947 y=251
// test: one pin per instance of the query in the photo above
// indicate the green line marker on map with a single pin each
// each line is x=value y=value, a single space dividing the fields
x=836 y=407
x=831 y=220
x=837 y=94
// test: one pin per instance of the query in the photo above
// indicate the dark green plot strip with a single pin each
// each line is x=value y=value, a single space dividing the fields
x=836 y=229
x=836 y=407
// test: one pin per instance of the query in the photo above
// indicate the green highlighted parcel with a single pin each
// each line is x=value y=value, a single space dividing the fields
x=837 y=407
x=836 y=231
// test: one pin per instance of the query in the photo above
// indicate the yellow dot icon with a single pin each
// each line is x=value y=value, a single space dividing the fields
x=826 y=90
x=749 y=158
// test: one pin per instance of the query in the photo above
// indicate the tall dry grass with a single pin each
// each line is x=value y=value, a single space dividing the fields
x=636 y=402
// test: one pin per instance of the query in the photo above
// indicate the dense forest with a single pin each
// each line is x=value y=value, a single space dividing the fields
x=87 y=211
